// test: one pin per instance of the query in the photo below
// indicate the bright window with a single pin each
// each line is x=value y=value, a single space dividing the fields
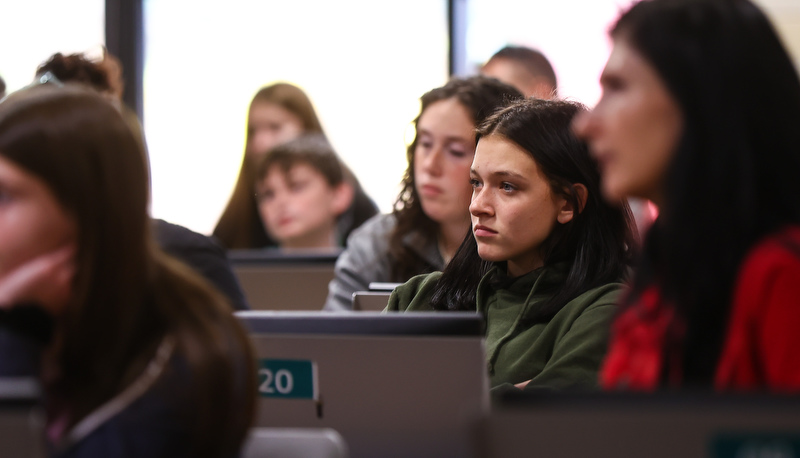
x=33 y=31
x=572 y=34
x=363 y=63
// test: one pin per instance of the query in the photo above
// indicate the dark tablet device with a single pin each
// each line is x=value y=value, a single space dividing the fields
x=363 y=324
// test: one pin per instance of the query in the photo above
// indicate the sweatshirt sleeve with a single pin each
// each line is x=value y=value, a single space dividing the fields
x=579 y=350
x=415 y=294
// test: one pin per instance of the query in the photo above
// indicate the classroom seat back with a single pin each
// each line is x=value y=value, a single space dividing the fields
x=272 y=280
x=618 y=425
x=21 y=418
x=393 y=385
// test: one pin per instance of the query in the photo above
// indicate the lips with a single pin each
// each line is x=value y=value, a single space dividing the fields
x=284 y=221
x=430 y=190
x=483 y=231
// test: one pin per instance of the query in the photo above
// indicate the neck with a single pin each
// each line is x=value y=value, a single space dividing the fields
x=318 y=240
x=518 y=269
x=449 y=238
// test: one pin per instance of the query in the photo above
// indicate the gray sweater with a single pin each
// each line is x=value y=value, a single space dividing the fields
x=367 y=260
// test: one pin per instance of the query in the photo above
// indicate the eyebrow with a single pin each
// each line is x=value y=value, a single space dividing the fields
x=500 y=173
x=448 y=138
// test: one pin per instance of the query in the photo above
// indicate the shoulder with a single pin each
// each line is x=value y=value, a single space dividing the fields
x=777 y=252
x=366 y=259
x=599 y=300
x=590 y=314
x=378 y=226
x=415 y=294
x=173 y=238
x=770 y=272
x=204 y=255
x=369 y=242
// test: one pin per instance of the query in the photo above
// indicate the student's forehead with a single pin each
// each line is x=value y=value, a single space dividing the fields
x=495 y=153
x=290 y=168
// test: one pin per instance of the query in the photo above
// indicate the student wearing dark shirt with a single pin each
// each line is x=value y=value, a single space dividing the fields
x=138 y=356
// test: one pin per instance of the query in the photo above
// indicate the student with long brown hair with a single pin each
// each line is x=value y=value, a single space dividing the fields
x=278 y=113
x=139 y=355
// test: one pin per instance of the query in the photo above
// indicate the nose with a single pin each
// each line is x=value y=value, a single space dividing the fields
x=432 y=162
x=276 y=202
x=282 y=199
x=481 y=203
x=260 y=142
x=583 y=124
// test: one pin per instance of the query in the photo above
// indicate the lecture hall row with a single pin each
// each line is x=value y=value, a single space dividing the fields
x=553 y=279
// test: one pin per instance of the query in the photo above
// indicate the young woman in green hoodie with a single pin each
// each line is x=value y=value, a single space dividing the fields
x=547 y=254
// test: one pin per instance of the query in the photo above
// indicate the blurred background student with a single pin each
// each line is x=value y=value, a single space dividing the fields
x=197 y=250
x=137 y=355
x=302 y=190
x=547 y=255
x=430 y=216
x=278 y=113
x=716 y=295
x=524 y=68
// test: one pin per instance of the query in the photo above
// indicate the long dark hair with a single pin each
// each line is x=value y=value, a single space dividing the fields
x=480 y=96
x=733 y=178
x=127 y=294
x=596 y=244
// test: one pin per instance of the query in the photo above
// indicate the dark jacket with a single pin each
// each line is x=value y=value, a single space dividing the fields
x=155 y=423
x=563 y=352
x=204 y=255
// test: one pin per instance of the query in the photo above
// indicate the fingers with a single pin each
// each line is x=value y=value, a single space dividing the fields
x=46 y=279
x=522 y=385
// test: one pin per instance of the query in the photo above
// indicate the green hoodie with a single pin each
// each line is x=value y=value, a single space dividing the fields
x=564 y=352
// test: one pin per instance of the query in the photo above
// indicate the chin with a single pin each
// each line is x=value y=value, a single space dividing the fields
x=432 y=213
x=489 y=255
x=613 y=193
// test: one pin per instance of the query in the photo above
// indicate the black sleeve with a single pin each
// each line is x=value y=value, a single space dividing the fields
x=204 y=255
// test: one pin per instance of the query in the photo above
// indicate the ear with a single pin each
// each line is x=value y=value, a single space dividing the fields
x=567 y=211
x=342 y=198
